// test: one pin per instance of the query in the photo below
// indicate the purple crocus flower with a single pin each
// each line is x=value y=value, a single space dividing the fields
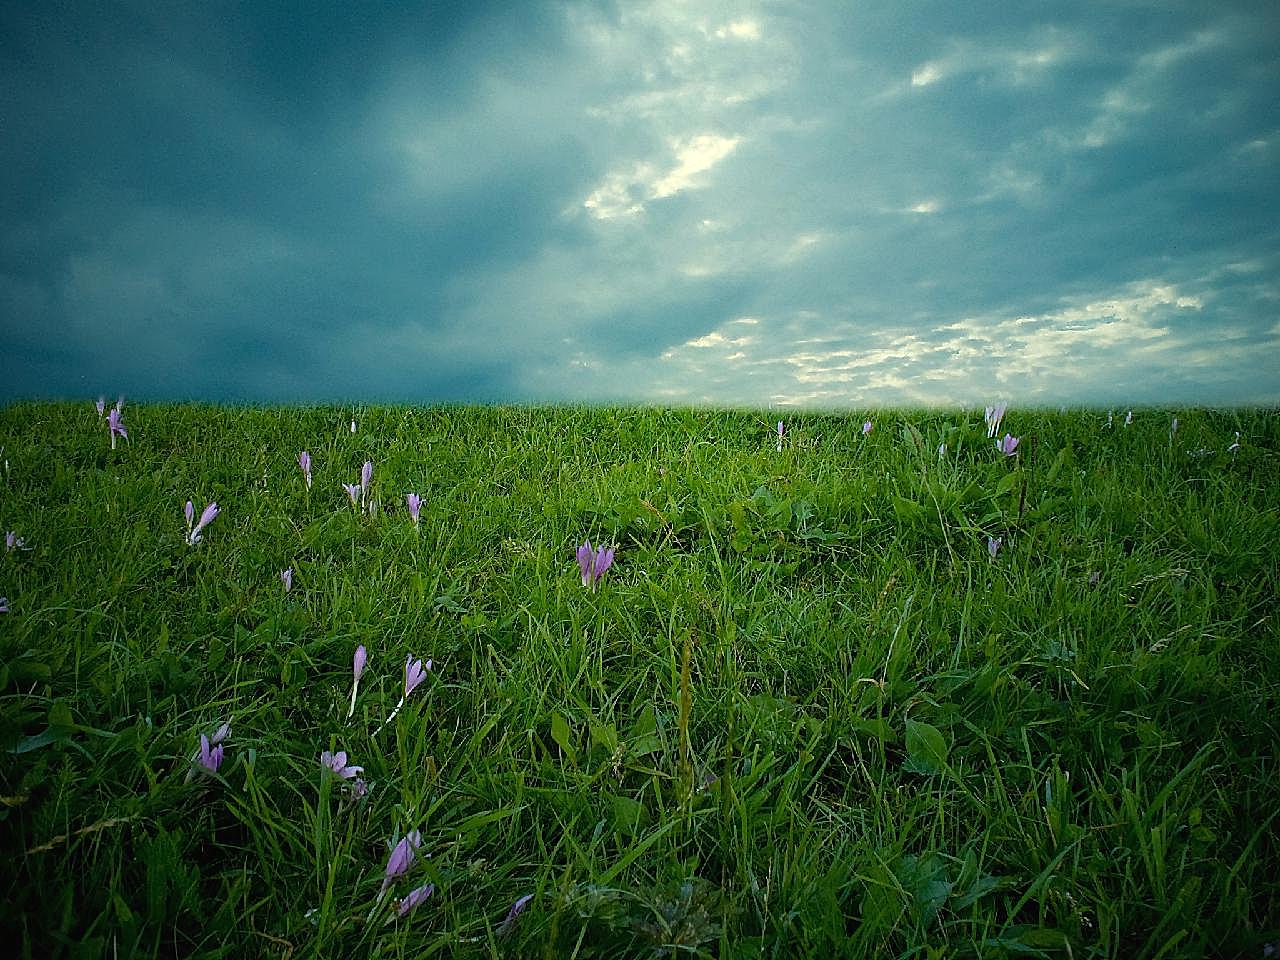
x=1008 y=445
x=1128 y=419
x=402 y=856
x=189 y=511
x=517 y=908
x=993 y=545
x=410 y=903
x=337 y=762
x=414 y=674
x=866 y=427
x=942 y=450
x=353 y=426
x=366 y=474
x=357 y=668
x=358 y=789
x=782 y=429
x=4 y=604
x=415 y=506
x=286 y=577
x=593 y=563
x=304 y=461
x=1173 y=427
x=14 y=542
x=207 y=517
x=210 y=759
x=101 y=405
x=115 y=426
x=353 y=492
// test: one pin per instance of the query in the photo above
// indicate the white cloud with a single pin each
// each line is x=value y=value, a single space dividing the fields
x=809 y=359
x=926 y=74
x=1144 y=89
x=693 y=156
x=624 y=193
x=745 y=29
x=1020 y=65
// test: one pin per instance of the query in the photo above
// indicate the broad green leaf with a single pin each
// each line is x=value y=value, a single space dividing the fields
x=926 y=748
x=878 y=729
x=628 y=816
x=563 y=736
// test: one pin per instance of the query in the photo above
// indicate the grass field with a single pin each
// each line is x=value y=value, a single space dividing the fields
x=806 y=713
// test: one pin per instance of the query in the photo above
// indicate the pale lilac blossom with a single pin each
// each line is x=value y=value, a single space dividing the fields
x=1235 y=446
x=189 y=511
x=593 y=563
x=286 y=577
x=361 y=658
x=207 y=516
x=402 y=857
x=942 y=450
x=414 y=673
x=358 y=789
x=115 y=426
x=782 y=429
x=353 y=426
x=353 y=493
x=101 y=406
x=1173 y=427
x=993 y=545
x=210 y=756
x=415 y=897
x=337 y=763
x=304 y=461
x=517 y=908
x=366 y=475
x=1008 y=446
x=1128 y=419
x=4 y=604
x=415 y=506
x=14 y=542
x=866 y=427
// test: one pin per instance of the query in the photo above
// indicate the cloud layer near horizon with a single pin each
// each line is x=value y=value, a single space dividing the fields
x=751 y=204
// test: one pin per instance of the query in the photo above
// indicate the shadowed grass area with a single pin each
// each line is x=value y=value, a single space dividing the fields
x=806 y=713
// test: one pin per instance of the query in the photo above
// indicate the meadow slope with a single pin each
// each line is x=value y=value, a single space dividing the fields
x=853 y=692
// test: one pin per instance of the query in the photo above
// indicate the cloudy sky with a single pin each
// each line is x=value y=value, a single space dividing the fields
x=824 y=204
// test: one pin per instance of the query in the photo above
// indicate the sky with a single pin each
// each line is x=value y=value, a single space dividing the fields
x=830 y=205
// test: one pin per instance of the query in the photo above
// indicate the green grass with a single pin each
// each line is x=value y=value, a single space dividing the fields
x=805 y=714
